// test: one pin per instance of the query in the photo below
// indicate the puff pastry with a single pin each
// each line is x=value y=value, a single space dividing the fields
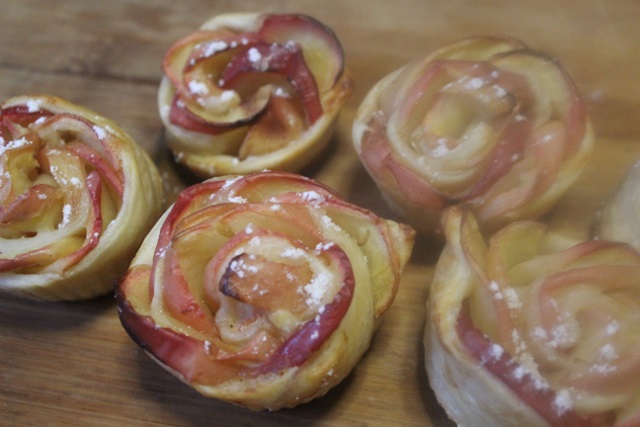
x=619 y=219
x=532 y=328
x=77 y=196
x=248 y=92
x=485 y=122
x=263 y=289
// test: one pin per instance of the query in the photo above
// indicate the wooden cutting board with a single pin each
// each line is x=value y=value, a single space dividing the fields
x=72 y=363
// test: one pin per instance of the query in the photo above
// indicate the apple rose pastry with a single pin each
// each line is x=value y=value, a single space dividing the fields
x=264 y=289
x=77 y=196
x=485 y=122
x=248 y=92
x=532 y=328
x=619 y=220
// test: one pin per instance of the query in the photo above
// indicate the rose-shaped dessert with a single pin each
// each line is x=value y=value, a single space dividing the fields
x=264 y=289
x=77 y=196
x=485 y=122
x=532 y=328
x=248 y=92
x=619 y=219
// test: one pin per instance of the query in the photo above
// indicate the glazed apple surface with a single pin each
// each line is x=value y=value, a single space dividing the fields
x=263 y=290
x=485 y=122
x=248 y=92
x=77 y=196
x=533 y=328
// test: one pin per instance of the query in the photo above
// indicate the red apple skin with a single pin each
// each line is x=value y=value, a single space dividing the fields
x=181 y=353
x=20 y=115
x=184 y=118
x=172 y=348
x=307 y=30
x=30 y=203
x=277 y=40
x=281 y=59
x=300 y=346
x=541 y=400
x=190 y=358
x=45 y=255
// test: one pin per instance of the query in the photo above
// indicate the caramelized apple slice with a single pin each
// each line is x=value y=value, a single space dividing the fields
x=262 y=289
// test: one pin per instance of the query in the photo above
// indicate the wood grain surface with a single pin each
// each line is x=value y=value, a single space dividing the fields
x=72 y=364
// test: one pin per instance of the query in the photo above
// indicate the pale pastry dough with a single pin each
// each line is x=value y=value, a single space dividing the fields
x=77 y=196
x=262 y=290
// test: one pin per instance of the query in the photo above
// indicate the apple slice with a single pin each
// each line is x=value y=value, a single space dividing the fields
x=535 y=393
x=274 y=187
x=279 y=283
x=310 y=337
x=193 y=65
x=281 y=123
x=31 y=211
x=321 y=49
x=20 y=115
x=285 y=59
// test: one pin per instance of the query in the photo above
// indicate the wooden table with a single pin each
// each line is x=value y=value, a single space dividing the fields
x=72 y=363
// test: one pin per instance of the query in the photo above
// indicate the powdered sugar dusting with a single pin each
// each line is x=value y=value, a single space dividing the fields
x=293 y=253
x=100 y=132
x=563 y=402
x=312 y=197
x=66 y=215
x=14 y=144
x=317 y=288
x=237 y=199
x=33 y=105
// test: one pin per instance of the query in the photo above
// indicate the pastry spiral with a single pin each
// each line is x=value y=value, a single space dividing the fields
x=77 y=196
x=262 y=290
x=248 y=92
x=532 y=328
x=485 y=122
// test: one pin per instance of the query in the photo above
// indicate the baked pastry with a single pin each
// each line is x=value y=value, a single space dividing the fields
x=619 y=219
x=77 y=196
x=263 y=289
x=485 y=122
x=248 y=92
x=533 y=328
